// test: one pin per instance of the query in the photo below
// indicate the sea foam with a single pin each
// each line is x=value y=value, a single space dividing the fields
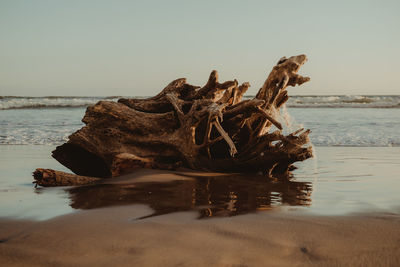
x=310 y=101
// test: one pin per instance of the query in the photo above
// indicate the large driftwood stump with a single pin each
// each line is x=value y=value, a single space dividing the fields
x=204 y=128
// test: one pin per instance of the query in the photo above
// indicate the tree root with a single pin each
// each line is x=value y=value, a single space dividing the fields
x=204 y=128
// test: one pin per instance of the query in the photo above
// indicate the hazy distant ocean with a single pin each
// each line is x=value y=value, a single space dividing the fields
x=365 y=121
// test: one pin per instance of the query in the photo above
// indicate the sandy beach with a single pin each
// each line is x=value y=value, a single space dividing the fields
x=339 y=209
x=115 y=236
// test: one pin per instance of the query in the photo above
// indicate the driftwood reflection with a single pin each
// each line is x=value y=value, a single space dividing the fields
x=211 y=196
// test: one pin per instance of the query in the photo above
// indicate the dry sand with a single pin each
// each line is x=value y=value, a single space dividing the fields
x=115 y=237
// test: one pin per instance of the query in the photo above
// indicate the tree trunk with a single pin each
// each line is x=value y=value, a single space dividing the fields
x=204 y=128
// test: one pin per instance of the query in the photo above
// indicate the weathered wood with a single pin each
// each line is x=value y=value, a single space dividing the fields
x=205 y=128
x=48 y=177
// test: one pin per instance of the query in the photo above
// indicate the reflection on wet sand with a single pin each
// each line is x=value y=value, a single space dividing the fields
x=227 y=195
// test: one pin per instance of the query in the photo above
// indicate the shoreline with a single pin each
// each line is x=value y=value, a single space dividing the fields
x=338 y=181
x=351 y=221
x=116 y=236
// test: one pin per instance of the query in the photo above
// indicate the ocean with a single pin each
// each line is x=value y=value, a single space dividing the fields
x=356 y=165
x=334 y=120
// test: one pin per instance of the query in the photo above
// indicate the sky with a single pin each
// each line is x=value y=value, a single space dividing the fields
x=135 y=48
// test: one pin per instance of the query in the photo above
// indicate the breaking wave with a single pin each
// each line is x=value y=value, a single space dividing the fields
x=345 y=101
x=18 y=102
x=310 y=101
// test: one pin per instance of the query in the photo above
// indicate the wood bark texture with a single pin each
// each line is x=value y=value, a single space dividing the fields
x=49 y=177
x=203 y=128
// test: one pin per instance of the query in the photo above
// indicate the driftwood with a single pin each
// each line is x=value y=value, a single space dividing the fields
x=49 y=177
x=203 y=128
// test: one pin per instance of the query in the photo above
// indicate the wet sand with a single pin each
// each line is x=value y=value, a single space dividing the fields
x=339 y=209
x=115 y=236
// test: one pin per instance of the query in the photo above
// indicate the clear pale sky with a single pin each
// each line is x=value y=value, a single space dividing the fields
x=137 y=47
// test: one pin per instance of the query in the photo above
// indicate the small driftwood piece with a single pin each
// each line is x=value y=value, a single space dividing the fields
x=203 y=128
x=48 y=177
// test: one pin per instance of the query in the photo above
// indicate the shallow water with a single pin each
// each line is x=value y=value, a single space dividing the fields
x=356 y=167
x=338 y=181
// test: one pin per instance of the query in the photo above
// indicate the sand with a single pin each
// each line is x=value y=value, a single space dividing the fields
x=100 y=225
x=115 y=236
